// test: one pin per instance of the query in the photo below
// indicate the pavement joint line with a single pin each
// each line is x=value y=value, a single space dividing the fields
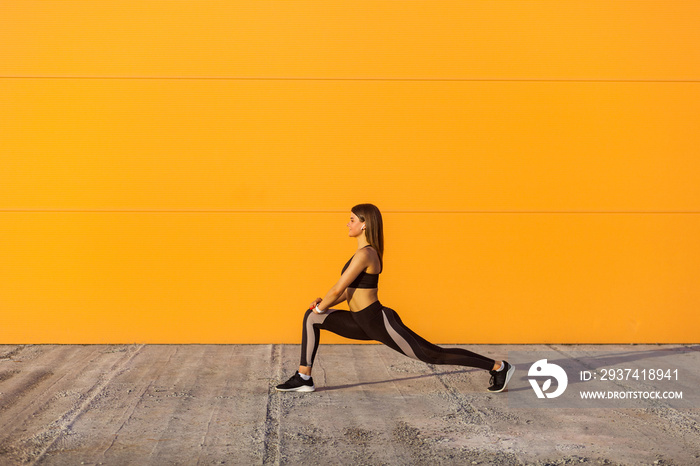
x=319 y=365
x=271 y=442
x=215 y=410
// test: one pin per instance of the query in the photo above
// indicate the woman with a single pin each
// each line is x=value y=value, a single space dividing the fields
x=368 y=319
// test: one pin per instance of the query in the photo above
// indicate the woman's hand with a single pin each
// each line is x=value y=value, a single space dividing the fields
x=315 y=303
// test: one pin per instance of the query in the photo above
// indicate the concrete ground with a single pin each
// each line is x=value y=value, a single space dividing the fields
x=215 y=404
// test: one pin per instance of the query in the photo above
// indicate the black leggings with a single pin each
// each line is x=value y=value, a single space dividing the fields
x=376 y=322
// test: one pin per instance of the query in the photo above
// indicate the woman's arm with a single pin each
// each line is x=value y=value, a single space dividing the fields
x=317 y=301
x=342 y=298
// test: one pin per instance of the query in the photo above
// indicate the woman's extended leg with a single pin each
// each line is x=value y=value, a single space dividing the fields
x=384 y=324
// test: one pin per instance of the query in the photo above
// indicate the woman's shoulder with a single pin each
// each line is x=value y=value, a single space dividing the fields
x=369 y=255
x=367 y=251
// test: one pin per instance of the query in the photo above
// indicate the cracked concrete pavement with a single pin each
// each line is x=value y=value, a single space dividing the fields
x=216 y=404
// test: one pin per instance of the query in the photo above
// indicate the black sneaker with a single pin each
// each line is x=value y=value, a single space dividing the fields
x=297 y=384
x=499 y=379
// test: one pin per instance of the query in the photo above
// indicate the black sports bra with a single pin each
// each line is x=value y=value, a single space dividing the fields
x=364 y=280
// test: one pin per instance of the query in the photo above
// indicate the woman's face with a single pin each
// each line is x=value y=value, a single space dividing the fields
x=355 y=226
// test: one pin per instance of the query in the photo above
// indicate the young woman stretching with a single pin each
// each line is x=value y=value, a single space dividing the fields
x=368 y=319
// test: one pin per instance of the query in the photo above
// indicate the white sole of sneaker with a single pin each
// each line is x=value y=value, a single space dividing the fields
x=303 y=388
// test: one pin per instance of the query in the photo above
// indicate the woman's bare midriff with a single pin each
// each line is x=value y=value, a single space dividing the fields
x=360 y=298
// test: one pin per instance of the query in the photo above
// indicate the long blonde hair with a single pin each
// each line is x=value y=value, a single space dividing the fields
x=374 y=227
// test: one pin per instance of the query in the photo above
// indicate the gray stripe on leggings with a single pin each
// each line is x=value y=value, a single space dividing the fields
x=398 y=339
x=310 y=340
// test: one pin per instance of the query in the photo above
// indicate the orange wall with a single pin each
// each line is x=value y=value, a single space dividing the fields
x=182 y=171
